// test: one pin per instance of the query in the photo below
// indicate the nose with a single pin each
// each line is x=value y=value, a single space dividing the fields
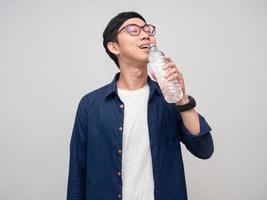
x=144 y=35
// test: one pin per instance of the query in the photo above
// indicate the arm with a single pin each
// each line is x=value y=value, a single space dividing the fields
x=190 y=117
x=194 y=131
x=77 y=163
x=200 y=144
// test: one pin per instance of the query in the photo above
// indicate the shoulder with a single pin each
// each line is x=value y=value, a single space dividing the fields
x=94 y=96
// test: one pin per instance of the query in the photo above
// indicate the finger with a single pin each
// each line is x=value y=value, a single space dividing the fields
x=176 y=77
x=169 y=65
x=172 y=74
x=172 y=77
x=167 y=59
x=170 y=71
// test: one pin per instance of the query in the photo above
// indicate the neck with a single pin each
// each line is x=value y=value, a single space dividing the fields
x=132 y=78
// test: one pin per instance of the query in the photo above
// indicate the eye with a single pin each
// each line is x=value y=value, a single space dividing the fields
x=132 y=29
x=147 y=28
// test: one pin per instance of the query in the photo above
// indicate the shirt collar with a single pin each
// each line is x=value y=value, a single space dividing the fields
x=112 y=90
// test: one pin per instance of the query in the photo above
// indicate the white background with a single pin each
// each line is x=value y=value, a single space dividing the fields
x=51 y=54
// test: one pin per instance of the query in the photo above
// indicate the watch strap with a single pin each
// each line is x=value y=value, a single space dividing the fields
x=188 y=106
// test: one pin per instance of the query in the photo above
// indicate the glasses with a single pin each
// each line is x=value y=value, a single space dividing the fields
x=135 y=30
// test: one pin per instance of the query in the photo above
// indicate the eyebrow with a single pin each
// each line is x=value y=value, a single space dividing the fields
x=135 y=24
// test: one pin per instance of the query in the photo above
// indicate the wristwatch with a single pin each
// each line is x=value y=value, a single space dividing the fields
x=191 y=104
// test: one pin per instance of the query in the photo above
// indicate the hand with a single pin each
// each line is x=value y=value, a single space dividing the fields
x=173 y=73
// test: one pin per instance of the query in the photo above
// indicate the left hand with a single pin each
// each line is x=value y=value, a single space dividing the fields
x=173 y=73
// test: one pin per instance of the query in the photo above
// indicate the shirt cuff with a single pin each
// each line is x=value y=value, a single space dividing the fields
x=204 y=128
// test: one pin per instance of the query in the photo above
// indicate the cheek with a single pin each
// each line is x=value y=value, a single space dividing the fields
x=127 y=42
x=127 y=49
x=153 y=40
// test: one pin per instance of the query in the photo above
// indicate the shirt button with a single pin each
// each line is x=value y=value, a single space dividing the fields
x=119 y=151
x=120 y=128
x=119 y=173
x=119 y=196
x=121 y=105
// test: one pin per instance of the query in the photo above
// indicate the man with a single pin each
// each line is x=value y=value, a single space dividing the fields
x=126 y=138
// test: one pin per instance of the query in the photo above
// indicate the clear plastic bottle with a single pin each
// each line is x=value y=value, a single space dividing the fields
x=171 y=90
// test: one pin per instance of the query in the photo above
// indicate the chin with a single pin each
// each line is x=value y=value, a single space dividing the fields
x=142 y=59
x=145 y=58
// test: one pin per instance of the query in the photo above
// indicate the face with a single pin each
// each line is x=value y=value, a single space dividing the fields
x=133 y=48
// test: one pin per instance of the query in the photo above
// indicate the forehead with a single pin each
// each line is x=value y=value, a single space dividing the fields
x=137 y=21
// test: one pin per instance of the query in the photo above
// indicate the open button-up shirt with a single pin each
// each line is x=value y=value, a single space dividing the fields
x=96 y=146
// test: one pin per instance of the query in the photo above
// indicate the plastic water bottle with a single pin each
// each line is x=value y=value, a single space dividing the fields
x=171 y=90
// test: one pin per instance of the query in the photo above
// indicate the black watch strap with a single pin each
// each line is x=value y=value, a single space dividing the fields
x=191 y=104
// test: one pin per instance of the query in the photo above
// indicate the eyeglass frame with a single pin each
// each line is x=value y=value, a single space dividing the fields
x=140 y=28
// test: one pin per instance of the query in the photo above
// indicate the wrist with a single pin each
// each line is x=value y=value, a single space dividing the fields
x=191 y=103
x=184 y=100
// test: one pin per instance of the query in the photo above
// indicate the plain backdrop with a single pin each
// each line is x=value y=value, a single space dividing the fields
x=51 y=54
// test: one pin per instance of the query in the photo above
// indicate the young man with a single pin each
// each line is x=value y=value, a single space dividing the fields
x=126 y=138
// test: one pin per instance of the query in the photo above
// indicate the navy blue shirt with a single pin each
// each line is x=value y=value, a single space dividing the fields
x=96 y=146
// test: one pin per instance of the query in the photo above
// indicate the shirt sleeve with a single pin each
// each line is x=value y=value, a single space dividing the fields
x=77 y=162
x=201 y=145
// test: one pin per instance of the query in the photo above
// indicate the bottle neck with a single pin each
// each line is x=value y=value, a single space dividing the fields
x=153 y=48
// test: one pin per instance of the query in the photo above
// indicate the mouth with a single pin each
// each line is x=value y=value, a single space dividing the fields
x=144 y=46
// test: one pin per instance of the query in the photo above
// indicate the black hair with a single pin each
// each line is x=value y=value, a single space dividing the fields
x=110 y=32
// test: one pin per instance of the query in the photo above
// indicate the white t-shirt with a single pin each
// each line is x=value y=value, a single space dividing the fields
x=137 y=175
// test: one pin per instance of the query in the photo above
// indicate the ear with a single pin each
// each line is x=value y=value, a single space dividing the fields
x=113 y=48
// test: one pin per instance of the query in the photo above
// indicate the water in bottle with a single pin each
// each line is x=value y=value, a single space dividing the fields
x=171 y=90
